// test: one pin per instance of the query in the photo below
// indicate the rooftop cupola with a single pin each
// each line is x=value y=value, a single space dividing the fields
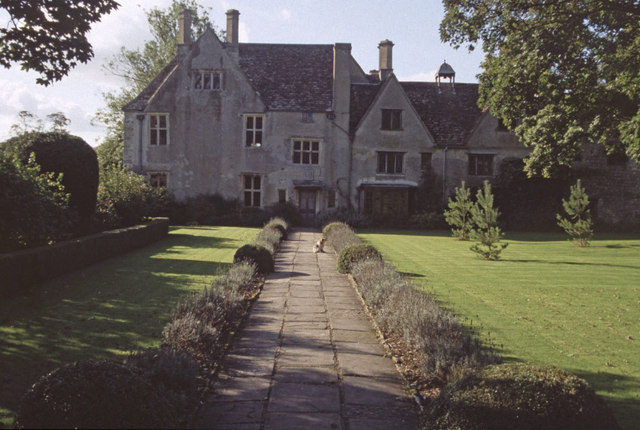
x=386 y=59
x=446 y=71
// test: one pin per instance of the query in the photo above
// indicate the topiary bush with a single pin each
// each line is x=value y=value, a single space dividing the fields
x=269 y=238
x=519 y=396
x=255 y=254
x=339 y=235
x=60 y=152
x=355 y=253
x=95 y=394
x=280 y=224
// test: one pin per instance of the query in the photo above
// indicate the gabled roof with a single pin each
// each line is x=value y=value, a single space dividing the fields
x=140 y=102
x=290 y=77
x=450 y=116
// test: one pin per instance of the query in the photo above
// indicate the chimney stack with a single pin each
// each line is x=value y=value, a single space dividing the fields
x=232 y=26
x=184 y=28
x=386 y=59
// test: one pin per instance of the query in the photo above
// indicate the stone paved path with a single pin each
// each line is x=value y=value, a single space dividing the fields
x=308 y=356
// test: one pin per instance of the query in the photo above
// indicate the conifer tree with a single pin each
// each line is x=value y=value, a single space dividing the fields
x=458 y=216
x=578 y=225
x=486 y=231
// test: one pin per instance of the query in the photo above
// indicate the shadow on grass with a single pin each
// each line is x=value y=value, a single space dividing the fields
x=412 y=275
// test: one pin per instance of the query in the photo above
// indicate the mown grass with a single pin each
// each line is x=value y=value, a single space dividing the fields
x=108 y=309
x=546 y=302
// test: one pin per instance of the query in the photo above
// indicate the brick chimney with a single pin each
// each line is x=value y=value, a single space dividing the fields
x=184 y=31
x=386 y=59
x=232 y=26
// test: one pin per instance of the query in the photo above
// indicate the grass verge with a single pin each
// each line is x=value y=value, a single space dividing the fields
x=546 y=302
x=109 y=309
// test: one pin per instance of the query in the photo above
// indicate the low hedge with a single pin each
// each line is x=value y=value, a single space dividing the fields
x=356 y=253
x=519 y=396
x=23 y=269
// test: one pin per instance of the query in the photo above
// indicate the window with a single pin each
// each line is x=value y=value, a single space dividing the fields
x=158 y=179
x=391 y=119
x=425 y=161
x=282 y=195
x=252 y=185
x=331 y=199
x=158 y=129
x=253 y=130
x=481 y=164
x=306 y=151
x=307 y=117
x=390 y=162
x=207 y=80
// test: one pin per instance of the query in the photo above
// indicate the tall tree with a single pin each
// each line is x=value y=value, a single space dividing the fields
x=558 y=72
x=139 y=66
x=49 y=37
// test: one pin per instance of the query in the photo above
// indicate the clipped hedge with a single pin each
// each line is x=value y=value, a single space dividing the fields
x=340 y=235
x=255 y=254
x=519 y=396
x=356 y=253
x=95 y=394
x=23 y=269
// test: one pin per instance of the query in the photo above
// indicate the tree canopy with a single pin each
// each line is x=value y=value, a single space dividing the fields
x=49 y=37
x=138 y=67
x=557 y=72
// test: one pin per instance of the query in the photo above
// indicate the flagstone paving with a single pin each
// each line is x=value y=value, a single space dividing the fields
x=308 y=356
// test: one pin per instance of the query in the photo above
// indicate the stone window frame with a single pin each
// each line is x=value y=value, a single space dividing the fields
x=282 y=195
x=331 y=199
x=253 y=135
x=158 y=179
x=390 y=162
x=426 y=160
x=306 y=117
x=201 y=83
x=311 y=153
x=158 y=133
x=252 y=190
x=391 y=119
x=480 y=164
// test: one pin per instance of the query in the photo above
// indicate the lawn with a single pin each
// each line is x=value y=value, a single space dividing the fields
x=545 y=302
x=108 y=309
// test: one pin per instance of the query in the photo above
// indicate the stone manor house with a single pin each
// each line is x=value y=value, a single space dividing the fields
x=268 y=123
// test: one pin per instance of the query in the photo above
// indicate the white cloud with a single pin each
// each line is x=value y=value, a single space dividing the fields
x=285 y=14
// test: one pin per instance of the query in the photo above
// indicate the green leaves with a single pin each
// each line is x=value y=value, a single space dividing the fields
x=562 y=73
x=578 y=223
x=458 y=216
x=49 y=37
x=486 y=231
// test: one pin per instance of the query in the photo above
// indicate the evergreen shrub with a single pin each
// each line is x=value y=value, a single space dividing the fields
x=355 y=253
x=339 y=235
x=255 y=254
x=519 y=396
x=95 y=394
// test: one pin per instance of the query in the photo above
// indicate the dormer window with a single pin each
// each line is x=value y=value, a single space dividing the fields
x=391 y=119
x=207 y=80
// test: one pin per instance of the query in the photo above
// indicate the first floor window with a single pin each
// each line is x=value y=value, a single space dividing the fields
x=391 y=119
x=331 y=199
x=306 y=151
x=390 y=162
x=481 y=164
x=207 y=79
x=253 y=130
x=158 y=179
x=282 y=195
x=252 y=187
x=425 y=161
x=158 y=129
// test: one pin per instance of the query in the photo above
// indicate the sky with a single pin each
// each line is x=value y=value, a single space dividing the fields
x=412 y=25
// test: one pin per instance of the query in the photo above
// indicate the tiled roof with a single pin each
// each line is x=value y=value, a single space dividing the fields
x=140 y=102
x=362 y=95
x=450 y=116
x=290 y=77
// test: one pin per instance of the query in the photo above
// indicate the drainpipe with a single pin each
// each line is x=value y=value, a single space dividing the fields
x=140 y=119
x=444 y=175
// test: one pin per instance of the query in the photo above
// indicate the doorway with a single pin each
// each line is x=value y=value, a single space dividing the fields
x=307 y=206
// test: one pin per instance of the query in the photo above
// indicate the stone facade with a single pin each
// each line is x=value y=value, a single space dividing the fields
x=267 y=123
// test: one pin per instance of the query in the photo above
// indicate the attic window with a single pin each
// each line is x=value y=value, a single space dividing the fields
x=307 y=117
x=207 y=80
x=391 y=119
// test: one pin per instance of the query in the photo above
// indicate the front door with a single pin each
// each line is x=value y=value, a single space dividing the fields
x=307 y=206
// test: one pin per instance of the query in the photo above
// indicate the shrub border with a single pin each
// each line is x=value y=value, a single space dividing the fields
x=27 y=268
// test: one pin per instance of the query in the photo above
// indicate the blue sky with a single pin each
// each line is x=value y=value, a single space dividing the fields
x=412 y=25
